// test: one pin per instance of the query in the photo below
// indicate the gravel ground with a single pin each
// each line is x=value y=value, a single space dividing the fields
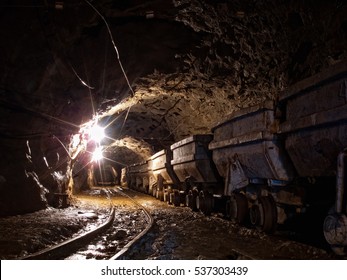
x=26 y=234
x=129 y=221
x=178 y=233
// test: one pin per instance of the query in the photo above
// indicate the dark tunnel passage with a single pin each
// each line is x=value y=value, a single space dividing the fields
x=91 y=88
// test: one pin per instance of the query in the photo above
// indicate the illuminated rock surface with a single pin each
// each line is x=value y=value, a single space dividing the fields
x=189 y=63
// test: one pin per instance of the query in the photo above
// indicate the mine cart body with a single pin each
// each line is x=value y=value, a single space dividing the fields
x=315 y=121
x=124 y=177
x=314 y=124
x=138 y=176
x=246 y=147
x=192 y=161
x=161 y=170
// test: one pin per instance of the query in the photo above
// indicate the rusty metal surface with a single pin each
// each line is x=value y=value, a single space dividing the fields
x=160 y=164
x=248 y=140
x=124 y=177
x=137 y=175
x=201 y=138
x=243 y=139
x=138 y=168
x=159 y=159
x=341 y=180
x=252 y=120
x=314 y=152
x=263 y=159
x=315 y=121
x=334 y=72
x=320 y=99
x=323 y=105
x=192 y=159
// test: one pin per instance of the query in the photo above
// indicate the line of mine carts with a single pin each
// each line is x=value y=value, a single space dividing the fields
x=264 y=164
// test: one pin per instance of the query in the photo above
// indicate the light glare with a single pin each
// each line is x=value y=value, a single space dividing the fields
x=97 y=154
x=97 y=133
x=76 y=140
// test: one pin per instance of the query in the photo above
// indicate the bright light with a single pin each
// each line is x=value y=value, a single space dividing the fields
x=76 y=140
x=97 y=154
x=96 y=133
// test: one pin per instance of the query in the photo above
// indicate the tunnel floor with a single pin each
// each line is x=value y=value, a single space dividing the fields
x=22 y=235
x=178 y=233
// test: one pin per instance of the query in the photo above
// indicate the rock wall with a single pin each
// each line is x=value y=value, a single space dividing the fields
x=189 y=63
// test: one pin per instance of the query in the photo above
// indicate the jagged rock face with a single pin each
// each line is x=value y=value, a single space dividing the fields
x=189 y=63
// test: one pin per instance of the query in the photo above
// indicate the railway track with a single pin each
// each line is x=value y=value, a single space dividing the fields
x=177 y=233
x=127 y=224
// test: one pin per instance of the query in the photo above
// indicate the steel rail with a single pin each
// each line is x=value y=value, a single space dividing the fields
x=127 y=248
x=60 y=249
x=67 y=247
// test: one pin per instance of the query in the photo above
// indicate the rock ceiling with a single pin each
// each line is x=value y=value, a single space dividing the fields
x=189 y=63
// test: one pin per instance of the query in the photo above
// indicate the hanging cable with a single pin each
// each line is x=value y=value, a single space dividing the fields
x=82 y=82
x=114 y=46
x=62 y=144
x=125 y=119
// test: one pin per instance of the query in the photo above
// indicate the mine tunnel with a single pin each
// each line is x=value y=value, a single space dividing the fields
x=91 y=88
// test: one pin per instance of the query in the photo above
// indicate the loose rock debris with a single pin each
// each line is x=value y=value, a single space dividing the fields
x=178 y=233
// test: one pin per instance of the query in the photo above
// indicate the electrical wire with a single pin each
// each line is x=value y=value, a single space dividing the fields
x=118 y=58
x=82 y=82
x=125 y=119
x=62 y=144
x=114 y=46
x=34 y=112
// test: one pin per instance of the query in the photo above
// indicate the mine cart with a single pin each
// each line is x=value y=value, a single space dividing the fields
x=193 y=165
x=138 y=176
x=315 y=128
x=124 y=177
x=250 y=156
x=247 y=149
x=162 y=177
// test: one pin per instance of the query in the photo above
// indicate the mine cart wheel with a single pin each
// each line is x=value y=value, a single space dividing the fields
x=227 y=209
x=200 y=201
x=195 y=195
x=254 y=215
x=191 y=200
x=171 y=198
x=268 y=213
x=166 y=196
x=204 y=202
x=176 y=198
x=157 y=194
x=160 y=195
x=335 y=232
x=208 y=203
x=154 y=191
x=182 y=198
x=237 y=208
x=263 y=214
